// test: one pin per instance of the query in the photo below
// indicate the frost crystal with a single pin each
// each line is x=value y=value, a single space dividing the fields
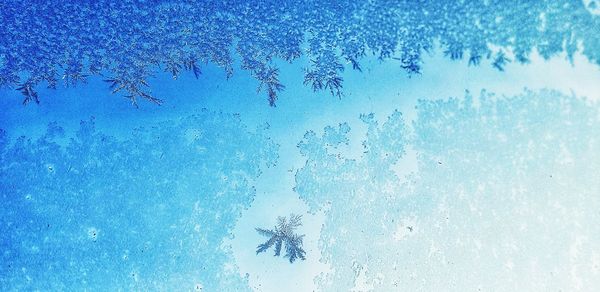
x=284 y=233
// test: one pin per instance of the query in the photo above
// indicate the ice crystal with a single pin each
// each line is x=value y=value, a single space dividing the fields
x=284 y=233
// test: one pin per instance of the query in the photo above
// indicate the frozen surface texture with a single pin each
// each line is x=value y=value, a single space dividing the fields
x=46 y=43
x=144 y=212
x=506 y=197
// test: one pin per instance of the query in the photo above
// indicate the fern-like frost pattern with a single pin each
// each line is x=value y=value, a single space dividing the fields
x=127 y=42
x=284 y=234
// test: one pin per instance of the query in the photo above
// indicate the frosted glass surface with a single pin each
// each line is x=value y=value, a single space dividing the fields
x=299 y=146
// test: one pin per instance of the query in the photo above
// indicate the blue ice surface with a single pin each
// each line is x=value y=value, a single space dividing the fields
x=147 y=199
x=148 y=211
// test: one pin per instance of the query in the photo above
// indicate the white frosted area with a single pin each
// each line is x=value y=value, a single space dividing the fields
x=505 y=198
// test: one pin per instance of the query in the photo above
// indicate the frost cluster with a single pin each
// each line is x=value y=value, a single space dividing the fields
x=145 y=212
x=505 y=197
x=126 y=42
